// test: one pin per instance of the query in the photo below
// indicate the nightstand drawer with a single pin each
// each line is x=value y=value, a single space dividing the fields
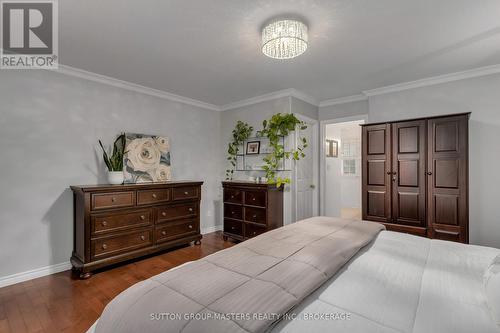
x=252 y=230
x=255 y=198
x=113 y=200
x=234 y=196
x=233 y=211
x=152 y=196
x=110 y=222
x=233 y=227
x=257 y=215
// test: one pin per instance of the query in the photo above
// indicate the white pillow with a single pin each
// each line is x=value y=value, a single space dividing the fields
x=492 y=287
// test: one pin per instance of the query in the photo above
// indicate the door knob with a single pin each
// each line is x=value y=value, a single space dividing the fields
x=312 y=186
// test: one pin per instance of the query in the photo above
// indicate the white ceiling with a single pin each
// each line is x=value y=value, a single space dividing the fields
x=210 y=50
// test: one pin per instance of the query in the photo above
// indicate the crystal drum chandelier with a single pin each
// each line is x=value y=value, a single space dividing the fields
x=284 y=39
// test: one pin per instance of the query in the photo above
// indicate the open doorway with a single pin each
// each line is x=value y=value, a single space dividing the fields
x=342 y=170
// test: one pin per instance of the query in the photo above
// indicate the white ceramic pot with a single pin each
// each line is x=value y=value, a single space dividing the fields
x=115 y=177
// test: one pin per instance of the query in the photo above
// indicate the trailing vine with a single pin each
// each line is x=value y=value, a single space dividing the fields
x=281 y=125
x=241 y=132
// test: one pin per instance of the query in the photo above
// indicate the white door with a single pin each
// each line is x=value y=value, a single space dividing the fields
x=305 y=178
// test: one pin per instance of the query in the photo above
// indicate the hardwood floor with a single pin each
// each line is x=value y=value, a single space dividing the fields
x=62 y=303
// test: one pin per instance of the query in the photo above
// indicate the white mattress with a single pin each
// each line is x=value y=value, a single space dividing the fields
x=403 y=283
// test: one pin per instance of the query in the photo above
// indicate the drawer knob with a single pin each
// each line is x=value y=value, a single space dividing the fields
x=186 y=193
x=104 y=246
x=113 y=199
x=163 y=232
x=232 y=213
x=232 y=197
x=143 y=217
x=190 y=226
x=154 y=195
x=143 y=237
x=104 y=223
x=163 y=213
x=232 y=228
x=253 y=199
x=190 y=209
x=254 y=216
x=255 y=232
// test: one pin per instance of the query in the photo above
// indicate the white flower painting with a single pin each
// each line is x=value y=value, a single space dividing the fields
x=146 y=159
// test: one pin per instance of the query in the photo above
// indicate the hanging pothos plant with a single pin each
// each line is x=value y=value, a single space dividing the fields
x=241 y=132
x=281 y=125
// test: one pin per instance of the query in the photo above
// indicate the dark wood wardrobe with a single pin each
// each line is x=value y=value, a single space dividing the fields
x=415 y=176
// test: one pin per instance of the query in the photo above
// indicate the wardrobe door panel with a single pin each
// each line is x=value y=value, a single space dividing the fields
x=447 y=178
x=408 y=174
x=376 y=173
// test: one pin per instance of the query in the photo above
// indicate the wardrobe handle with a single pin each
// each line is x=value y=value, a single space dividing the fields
x=389 y=172
x=429 y=173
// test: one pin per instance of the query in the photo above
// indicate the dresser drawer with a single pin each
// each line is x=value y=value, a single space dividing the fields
x=252 y=230
x=234 y=196
x=146 y=197
x=104 y=223
x=233 y=211
x=175 y=230
x=233 y=227
x=188 y=192
x=176 y=212
x=255 y=198
x=112 y=200
x=114 y=245
x=257 y=215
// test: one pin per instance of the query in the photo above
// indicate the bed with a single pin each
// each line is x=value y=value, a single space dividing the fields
x=399 y=283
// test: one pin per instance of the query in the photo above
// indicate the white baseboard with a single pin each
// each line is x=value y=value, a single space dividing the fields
x=53 y=269
x=208 y=230
x=33 y=274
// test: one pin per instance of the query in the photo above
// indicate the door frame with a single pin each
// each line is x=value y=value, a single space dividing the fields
x=322 y=159
x=315 y=149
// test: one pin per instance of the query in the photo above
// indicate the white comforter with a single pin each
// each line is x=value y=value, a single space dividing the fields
x=403 y=283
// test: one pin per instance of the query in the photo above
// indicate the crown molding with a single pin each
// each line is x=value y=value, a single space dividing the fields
x=269 y=97
x=82 y=74
x=343 y=100
x=468 y=74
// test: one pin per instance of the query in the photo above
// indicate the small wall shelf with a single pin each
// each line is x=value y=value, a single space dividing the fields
x=255 y=161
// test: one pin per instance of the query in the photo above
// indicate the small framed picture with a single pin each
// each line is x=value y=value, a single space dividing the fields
x=332 y=148
x=253 y=147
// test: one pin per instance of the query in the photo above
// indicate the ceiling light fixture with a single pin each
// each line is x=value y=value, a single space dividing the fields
x=284 y=39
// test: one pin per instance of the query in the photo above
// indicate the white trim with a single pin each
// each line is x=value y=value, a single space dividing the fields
x=343 y=100
x=269 y=97
x=33 y=274
x=53 y=269
x=314 y=148
x=82 y=74
x=468 y=74
x=211 y=229
x=322 y=153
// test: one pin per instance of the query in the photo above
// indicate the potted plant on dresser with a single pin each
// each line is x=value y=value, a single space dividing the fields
x=114 y=162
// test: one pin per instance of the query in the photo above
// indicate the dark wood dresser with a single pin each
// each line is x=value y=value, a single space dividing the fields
x=251 y=209
x=113 y=223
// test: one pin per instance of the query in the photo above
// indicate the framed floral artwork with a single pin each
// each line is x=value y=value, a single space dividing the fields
x=146 y=158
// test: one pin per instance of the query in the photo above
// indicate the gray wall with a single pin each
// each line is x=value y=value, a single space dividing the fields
x=481 y=96
x=50 y=124
x=358 y=108
x=300 y=107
